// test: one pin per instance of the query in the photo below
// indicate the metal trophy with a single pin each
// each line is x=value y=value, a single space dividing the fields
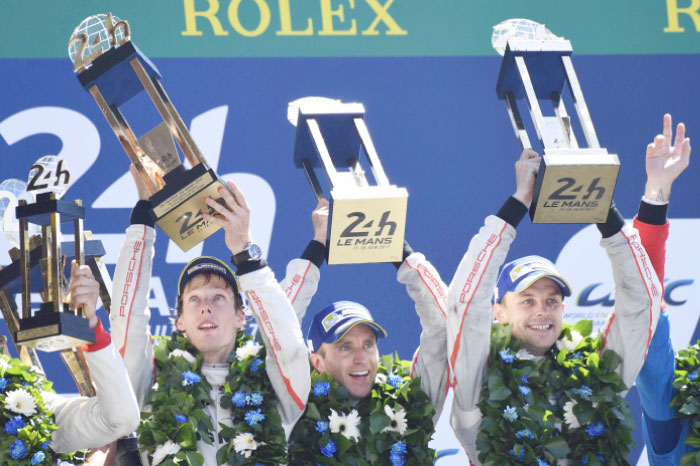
x=367 y=222
x=574 y=184
x=38 y=264
x=113 y=70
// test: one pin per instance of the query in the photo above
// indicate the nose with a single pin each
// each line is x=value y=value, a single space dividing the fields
x=359 y=356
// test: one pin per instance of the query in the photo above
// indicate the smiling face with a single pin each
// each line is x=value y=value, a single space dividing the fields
x=209 y=317
x=536 y=314
x=352 y=360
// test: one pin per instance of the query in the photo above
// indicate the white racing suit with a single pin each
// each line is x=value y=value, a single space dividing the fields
x=287 y=361
x=628 y=330
x=97 y=421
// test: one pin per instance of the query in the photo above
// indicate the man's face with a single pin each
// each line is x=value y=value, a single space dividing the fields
x=352 y=360
x=209 y=317
x=536 y=314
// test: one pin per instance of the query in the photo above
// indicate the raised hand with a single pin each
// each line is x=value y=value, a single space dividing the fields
x=664 y=162
x=319 y=217
x=234 y=218
x=83 y=290
x=525 y=173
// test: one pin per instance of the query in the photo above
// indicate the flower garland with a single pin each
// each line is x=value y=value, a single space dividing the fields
x=687 y=399
x=564 y=406
x=169 y=432
x=392 y=426
x=28 y=424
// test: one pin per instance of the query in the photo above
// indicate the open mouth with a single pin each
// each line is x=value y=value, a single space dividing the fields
x=359 y=374
x=540 y=327
x=207 y=326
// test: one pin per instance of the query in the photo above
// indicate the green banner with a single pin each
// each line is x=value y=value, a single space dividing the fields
x=347 y=28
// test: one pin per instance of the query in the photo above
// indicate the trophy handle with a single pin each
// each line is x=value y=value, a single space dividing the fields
x=27 y=354
x=312 y=179
x=517 y=121
x=74 y=359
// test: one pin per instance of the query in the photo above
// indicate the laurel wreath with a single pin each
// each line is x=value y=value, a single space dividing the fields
x=392 y=426
x=565 y=405
x=687 y=399
x=170 y=430
x=27 y=423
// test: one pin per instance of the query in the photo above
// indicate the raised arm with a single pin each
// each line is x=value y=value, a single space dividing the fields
x=131 y=287
x=287 y=360
x=93 y=422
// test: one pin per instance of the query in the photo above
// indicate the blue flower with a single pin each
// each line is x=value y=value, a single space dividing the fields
x=3 y=383
x=525 y=390
x=584 y=391
x=395 y=380
x=180 y=418
x=541 y=463
x=18 y=450
x=693 y=375
x=520 y=455
x=321 y=389
x=256 y=399
x=523 y=378
x=576 y=355
x=254 y=416
x=239 y=399
x=38 y=458
x=45 y=445
x=509 y=414
x=190 y=378
x=524 y=433
x=506 y=355
x=329 y=449
x=396 y=459
x=321 y=427
x=14 y=425
x=254 y=365
x=594 y=430
x=398 y=447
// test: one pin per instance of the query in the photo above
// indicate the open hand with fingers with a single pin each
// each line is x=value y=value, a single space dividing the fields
x=234 y=217
x=666 y=158
x=83 y=290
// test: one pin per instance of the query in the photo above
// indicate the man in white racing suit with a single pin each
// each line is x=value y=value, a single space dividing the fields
x=213 y=331
x=532 y=300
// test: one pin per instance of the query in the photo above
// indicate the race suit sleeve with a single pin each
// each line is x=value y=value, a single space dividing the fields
x=303 y=274
x=655 y=380
x=94 y=422
x=469 y=317
x=287 y=359
x=429 y=293
x=130 y=314
x=630 y=327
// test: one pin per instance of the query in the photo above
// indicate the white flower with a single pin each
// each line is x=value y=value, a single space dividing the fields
x=524 y=354
x=569 y=416
x=346 y=424
x=380 y=378
x=185 y=354
x=21 y=401
x=3 y=365
x=571 y=345
x=251 y=348
x=163 y=451
x=245 y=444
x=398 y=420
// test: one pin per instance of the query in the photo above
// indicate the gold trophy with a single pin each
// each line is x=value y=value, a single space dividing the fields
x=38 y=264
x=574 y=184
x=113 y=70
x=367 y=222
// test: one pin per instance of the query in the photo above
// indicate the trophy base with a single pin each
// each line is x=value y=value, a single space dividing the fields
x=367 y=225
x=179 y=205
x=574 y=186
x=54 y=331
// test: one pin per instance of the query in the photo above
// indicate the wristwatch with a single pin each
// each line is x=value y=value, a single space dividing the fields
x=252 y=252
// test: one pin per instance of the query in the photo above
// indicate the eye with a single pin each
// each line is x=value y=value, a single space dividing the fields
x=193 y=299
x=527 y=301
x=369 y=345
x=552 y=302
x=345 y=348
x=219 y=297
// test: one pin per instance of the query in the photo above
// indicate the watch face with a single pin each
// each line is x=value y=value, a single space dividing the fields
x=255 y=251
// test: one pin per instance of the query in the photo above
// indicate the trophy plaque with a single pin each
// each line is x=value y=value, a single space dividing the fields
x=113 y=70
x=367 y=222
x=574 y=184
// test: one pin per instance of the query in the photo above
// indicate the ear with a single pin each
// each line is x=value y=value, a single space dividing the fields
x=180 y=325
x=318 y=362
x=563 y=306
x=499 y=310
x=240 y=319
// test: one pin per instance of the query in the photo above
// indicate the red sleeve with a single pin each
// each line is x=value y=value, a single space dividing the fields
x=102 y=339
x=654 y=241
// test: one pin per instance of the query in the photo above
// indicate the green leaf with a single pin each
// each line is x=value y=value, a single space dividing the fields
x=557 y=447
x=497 y=390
